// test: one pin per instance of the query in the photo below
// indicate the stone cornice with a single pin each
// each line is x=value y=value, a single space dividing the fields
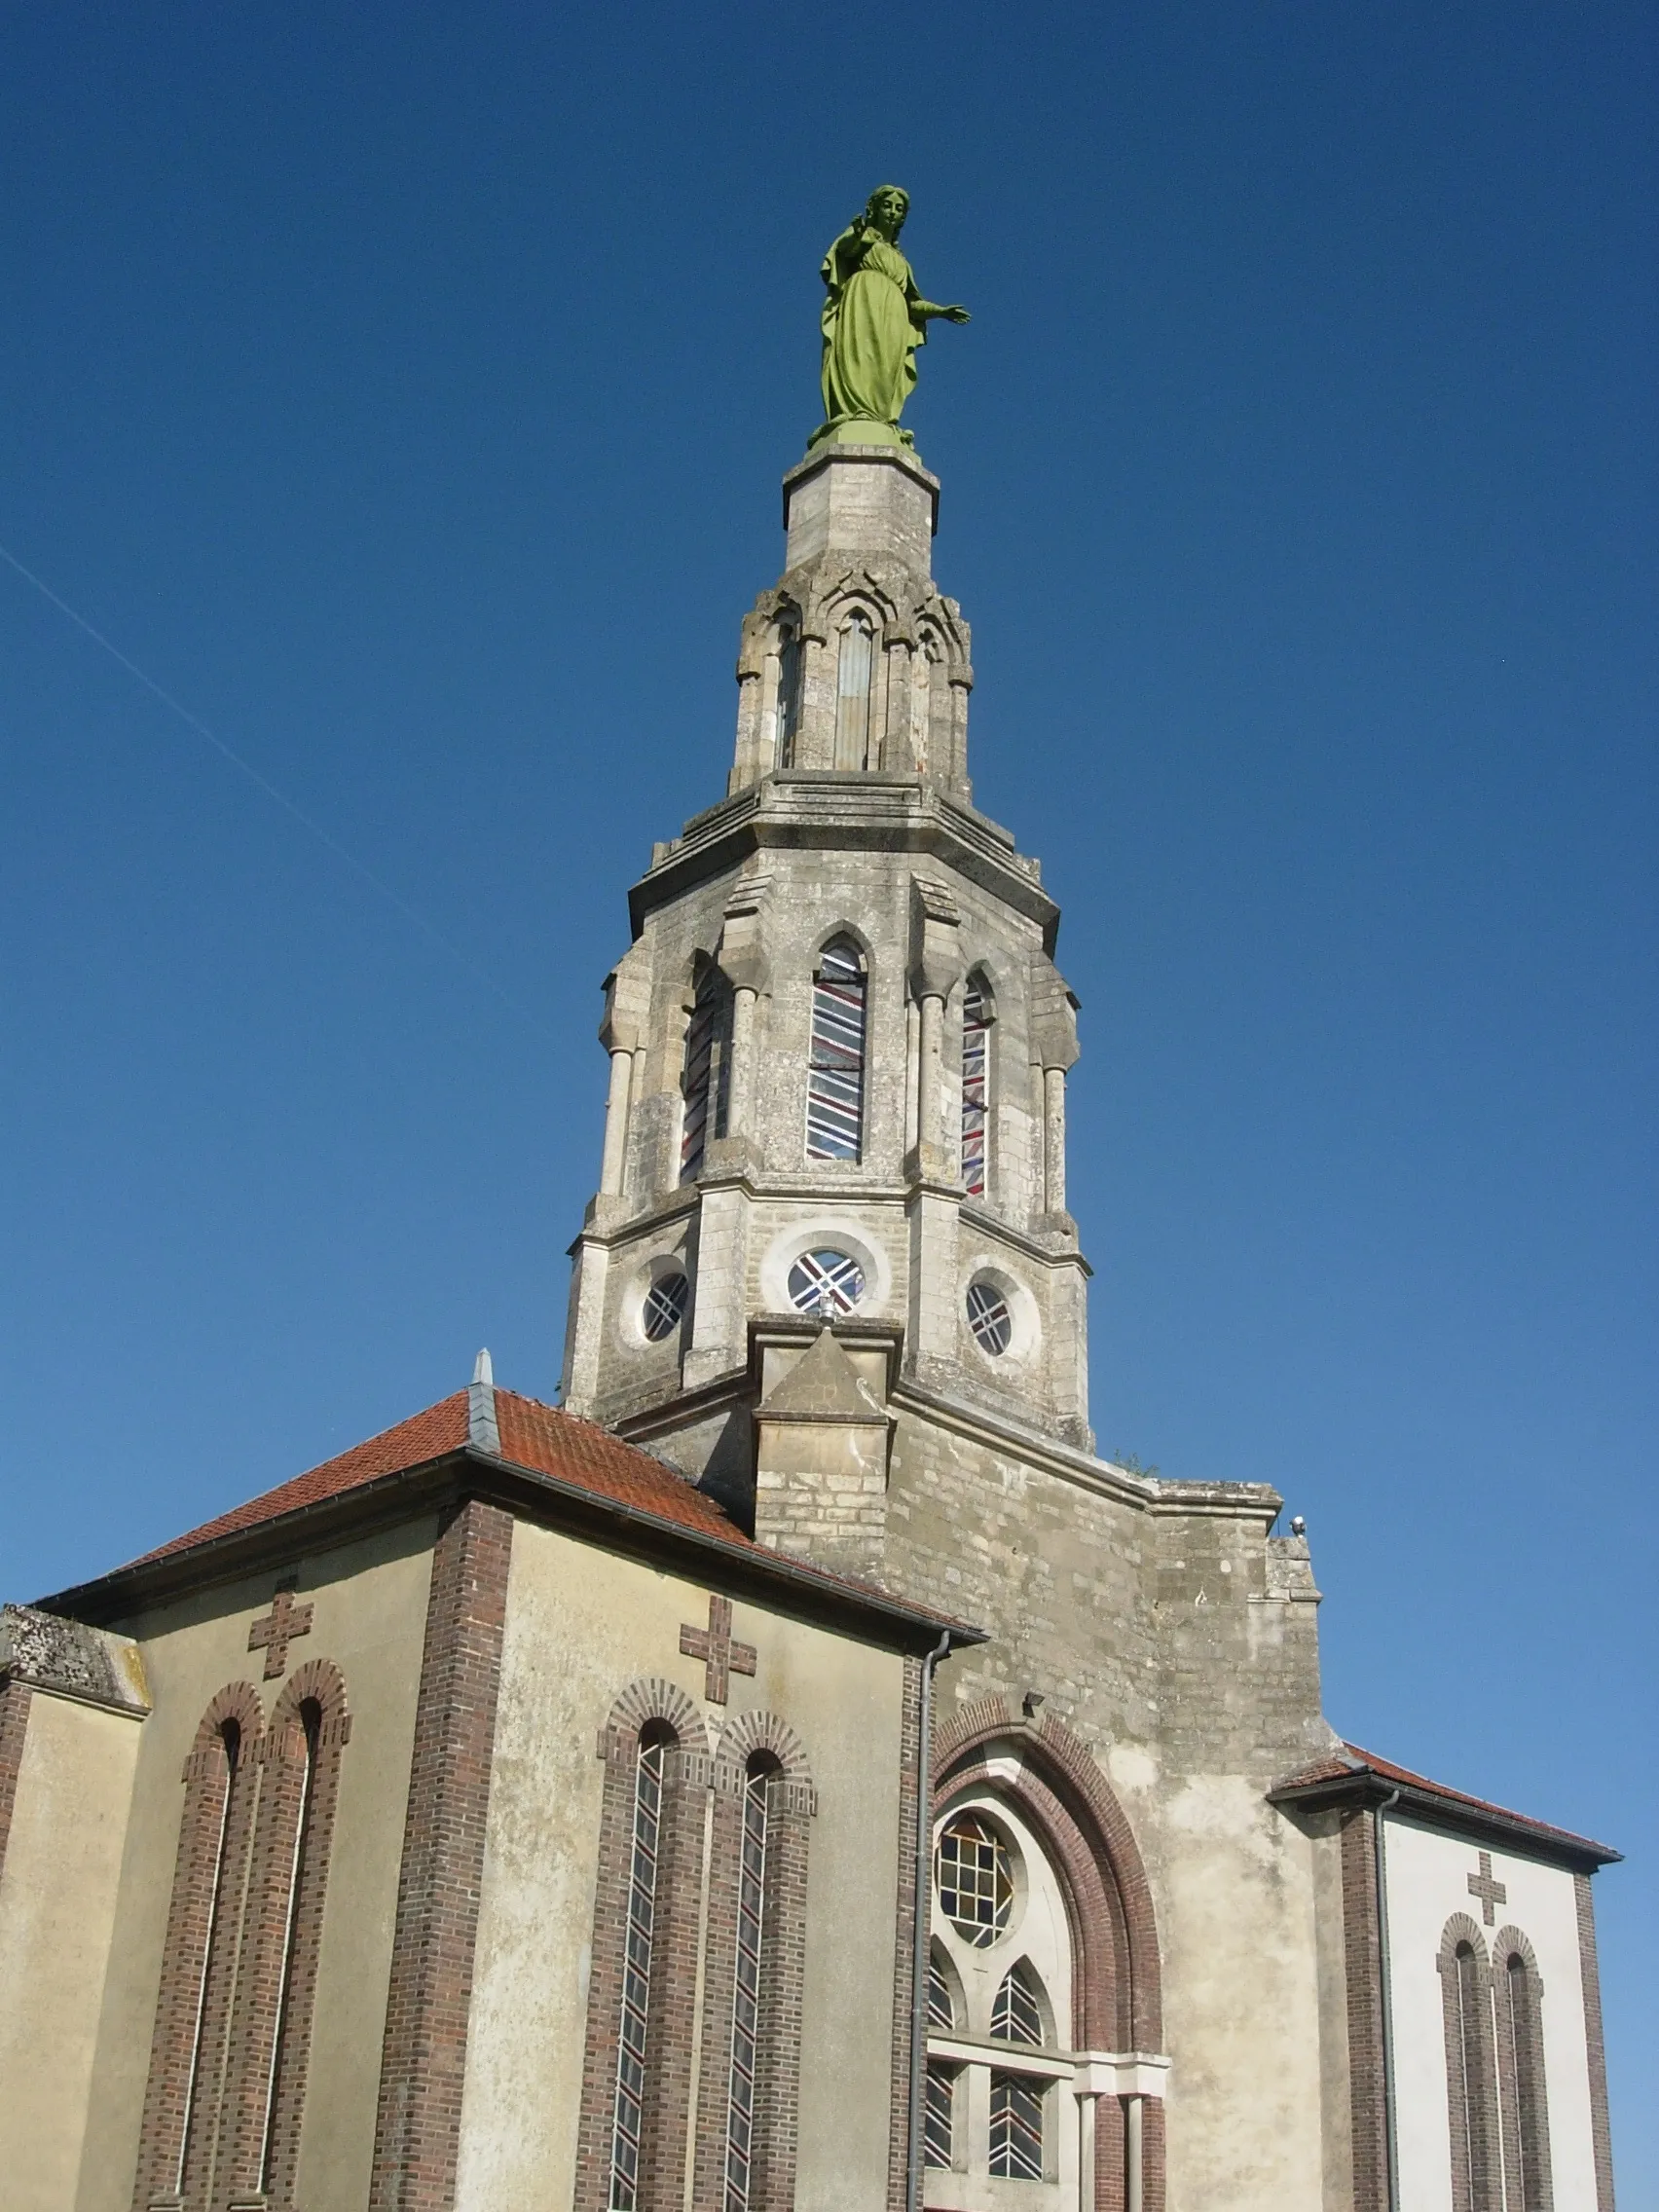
x=795 y=809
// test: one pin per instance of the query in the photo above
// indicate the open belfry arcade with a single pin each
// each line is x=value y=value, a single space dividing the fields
x=796 y=1770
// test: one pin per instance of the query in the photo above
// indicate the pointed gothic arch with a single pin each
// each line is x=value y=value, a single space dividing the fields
x=1049 y=1776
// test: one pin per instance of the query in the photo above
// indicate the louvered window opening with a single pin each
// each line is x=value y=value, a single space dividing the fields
x=629 y=2116
x=220 y=1933
x=835 y=1077
x=1016 y=2127
x=1017 y=2016
x=707 y=1083
x=746 y=2005
x=940 y=2119
x=311 y=1720
x=976 y=1084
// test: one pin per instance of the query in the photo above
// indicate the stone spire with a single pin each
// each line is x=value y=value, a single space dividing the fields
x=838 y=1051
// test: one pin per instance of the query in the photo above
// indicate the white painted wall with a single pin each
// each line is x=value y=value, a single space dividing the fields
x=1427 y=1881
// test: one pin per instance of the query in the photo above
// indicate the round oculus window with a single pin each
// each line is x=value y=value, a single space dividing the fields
x=665 y=1306
x=973 y=1870
x=826 y=1281
x=990 y=1318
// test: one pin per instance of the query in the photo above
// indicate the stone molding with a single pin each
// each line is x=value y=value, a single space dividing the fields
x=68 y=1659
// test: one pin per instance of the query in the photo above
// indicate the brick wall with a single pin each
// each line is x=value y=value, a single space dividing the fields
x=1590 y=1976
x=1362 y=1959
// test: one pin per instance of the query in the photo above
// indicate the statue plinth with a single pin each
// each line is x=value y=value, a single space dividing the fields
x=863 y=500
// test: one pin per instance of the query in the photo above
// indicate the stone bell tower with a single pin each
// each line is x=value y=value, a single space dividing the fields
x=838 y=1051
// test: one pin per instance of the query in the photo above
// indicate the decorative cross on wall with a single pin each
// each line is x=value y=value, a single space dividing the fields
x=1488 y=1892
x=278 y=1630
x=714 y=1645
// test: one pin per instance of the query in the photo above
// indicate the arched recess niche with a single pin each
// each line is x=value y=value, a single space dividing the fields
x=1050 y=1778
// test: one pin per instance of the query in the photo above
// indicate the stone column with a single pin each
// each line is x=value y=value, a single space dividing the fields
x=740 y=1090
x=616 y=1154
x=815 y=741
x=930 y=1074
x=912 y=1070
x=936 y=968
x=1054 y=1140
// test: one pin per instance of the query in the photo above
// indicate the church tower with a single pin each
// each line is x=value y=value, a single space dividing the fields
x=838 y=1049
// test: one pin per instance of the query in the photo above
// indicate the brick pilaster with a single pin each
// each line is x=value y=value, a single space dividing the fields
x=911 y=1768
x=15 y=1700
x=423 y=2054
x=1596 y=2050
x=1362 y=1956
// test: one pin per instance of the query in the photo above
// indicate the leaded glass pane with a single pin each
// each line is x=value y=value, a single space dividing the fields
x=745 y=2002
x=826 y=1281
x=940 y=2133
x=990 y=1318
x=629 y=2114
x=665 y=1306
x=835 y=1076
x=1016 y=2127
x=975 y=1873
x=1017 y=2016
x=976 y=1083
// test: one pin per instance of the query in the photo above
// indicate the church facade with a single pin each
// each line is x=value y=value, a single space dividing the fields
x=797 y=1770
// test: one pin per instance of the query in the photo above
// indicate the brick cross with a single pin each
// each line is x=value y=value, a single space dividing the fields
x=1488 y=1892
x=278 y=1630
x=714 y=1645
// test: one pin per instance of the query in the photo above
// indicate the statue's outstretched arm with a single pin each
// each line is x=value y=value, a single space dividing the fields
x=930 y=312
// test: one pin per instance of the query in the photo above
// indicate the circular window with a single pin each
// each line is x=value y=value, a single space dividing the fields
x=974 y=1868
x=665 y=1307
x=990 y=1318
x=826 y=1281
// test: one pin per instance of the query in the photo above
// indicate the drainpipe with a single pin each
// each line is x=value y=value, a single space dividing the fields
x=924 y=1915
x=1390 y=2146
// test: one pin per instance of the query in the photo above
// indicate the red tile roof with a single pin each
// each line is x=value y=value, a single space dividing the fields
x=1351 y=1764
x=549 y=1442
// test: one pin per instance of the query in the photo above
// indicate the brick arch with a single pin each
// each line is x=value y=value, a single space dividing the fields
x=1117 y=1989
x=652 y=1698
x=1471 y=2074
x=749 y=1732
x=259 y=2136
x=189 y=2042
x=1510 y=1942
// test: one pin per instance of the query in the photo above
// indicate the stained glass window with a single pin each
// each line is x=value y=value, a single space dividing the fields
x=826 y=1281
x=975 y=1083
x=1018 y=2016
x=1016 y=2127
x=835 y=1077
x=974 y=1869
x=942 y=2011
x=940 y=2132
x=629 y=2114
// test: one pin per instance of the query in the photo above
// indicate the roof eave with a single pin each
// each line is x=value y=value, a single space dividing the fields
x=1365 y=1788
x=406 y=1493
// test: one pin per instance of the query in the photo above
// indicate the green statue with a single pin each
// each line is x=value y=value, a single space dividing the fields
x=873 y=320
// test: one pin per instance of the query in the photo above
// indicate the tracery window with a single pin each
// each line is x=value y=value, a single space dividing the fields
x=707 y=1079
x=1017 y=2015
x=975 y=1874
x=628 y=2123
x=978 y=1013
x=835 y=1076
x=854 y=669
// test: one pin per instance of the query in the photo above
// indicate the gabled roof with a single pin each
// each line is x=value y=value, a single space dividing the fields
x=535 y=1458
x=1352 y=1776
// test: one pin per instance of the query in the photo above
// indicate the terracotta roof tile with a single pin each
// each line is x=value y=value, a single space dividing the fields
x=548 y=1441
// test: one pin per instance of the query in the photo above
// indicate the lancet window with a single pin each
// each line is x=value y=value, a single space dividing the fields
x=1523 y=2101
x=748 y=1995
x=1471 y=2098
x=977 y=1013
x=628 y=2117
x=707 y=1079
x=835 y=1076
x=788 y=697
x=233 y=1785
x=854 y=671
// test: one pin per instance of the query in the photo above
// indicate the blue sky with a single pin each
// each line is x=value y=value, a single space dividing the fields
x=405 y=391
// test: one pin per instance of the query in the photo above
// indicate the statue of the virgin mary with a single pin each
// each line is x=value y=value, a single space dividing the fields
x=873 y=320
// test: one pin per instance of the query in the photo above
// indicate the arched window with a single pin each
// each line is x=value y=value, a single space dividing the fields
x=979 y=1011
x=707 y=1079
x=788 y=697
x=628 y=2119
x=1523 y=2102
x=945 y=2013
x=1466 y=1990
x=854 y=668
x=1017 y=2015
x=835 y=1076
x=208 y=2052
